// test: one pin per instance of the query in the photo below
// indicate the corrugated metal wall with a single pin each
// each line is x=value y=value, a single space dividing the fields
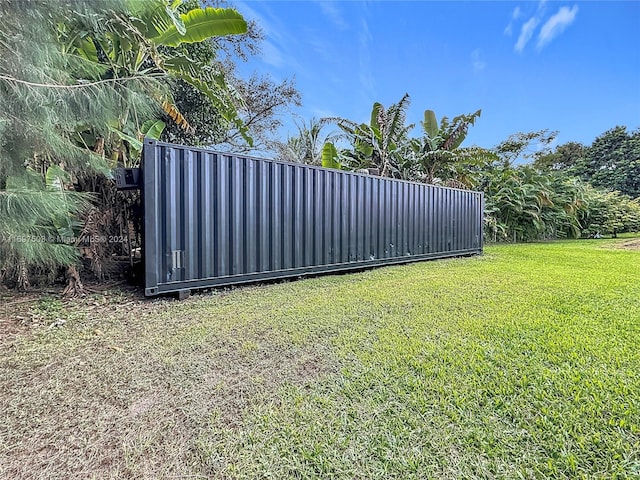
x=217 y=219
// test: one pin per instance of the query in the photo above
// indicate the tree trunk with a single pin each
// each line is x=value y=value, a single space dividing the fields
x=385 y=166
x=22 y=275
x=74 y=284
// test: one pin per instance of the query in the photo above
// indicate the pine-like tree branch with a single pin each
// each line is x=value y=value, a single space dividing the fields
x=81 y=85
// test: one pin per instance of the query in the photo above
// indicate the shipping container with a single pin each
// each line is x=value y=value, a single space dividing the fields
x=213 y=218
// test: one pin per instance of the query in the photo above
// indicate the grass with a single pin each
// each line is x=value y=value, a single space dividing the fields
x=522 y=363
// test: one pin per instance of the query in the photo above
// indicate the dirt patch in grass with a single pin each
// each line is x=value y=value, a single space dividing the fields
x=26 y=312
x=630 y=244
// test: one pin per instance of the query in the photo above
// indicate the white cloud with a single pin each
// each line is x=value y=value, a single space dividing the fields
x=556 y=25
x=271 y=55
x=516 y=14
x=334 y=14
x=275 y=48
x=526 y=32
x=364 y=37
x=366 y=76
x=477 y=62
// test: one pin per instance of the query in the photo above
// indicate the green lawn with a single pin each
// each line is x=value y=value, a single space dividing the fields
x=522 y=363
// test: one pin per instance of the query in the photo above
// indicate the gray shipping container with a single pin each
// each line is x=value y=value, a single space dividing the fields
x=215 y=219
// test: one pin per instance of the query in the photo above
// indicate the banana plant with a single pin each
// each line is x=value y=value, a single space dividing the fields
x=196 y=25
x=383 y=142
x=330 y=156
x=307 y=146
x=149 y=129
x=438 y=153
x=143 y=45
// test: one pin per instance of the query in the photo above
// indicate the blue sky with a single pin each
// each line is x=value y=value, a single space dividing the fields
x=567 y=66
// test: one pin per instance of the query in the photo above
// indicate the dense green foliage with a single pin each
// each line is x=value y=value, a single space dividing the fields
x=79 y=100
x=522 y=363
x=49 y=99
x=439 y=156
x=612 y=162
x=105 y=74
x=262 y=99
x=610 y=167
x=305 y=147
x=550 y=198
x=381 y=144
x=610 y=213
x=564 y=157
x=385 y=144
x=524 y=203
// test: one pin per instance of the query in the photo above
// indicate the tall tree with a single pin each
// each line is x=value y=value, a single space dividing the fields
x=613 y=161
x=524 y=146
x=264 y=102
x=564 y=157
x=163 y=45
x=48 y=97
x=96 y=71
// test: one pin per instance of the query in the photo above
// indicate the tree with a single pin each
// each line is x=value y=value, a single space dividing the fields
x=438 y=154
x=613 y=162
x=520 y=145
x=306 y=146
x=46 y=94
x=163 y=45
x=381 y=144
x=564 y=157
x=89 y=85
x=569 y=207
x=263 y=102
x=523 y=203
x=385 y=144
x=610 y=213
